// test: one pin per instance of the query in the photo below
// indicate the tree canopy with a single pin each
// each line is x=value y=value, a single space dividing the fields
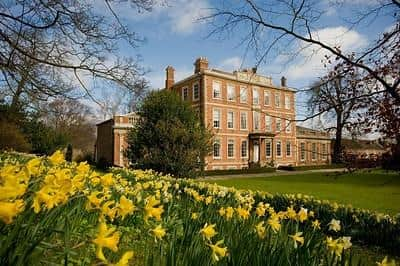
x=168 y=136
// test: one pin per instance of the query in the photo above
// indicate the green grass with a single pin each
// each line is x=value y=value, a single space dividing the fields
x=375 y=190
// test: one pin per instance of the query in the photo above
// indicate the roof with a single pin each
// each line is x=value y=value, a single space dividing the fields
x=311 y=133
x=104 y=122
x=361 y=144
x=239 y=76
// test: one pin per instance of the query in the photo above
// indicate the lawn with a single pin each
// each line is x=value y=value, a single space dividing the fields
x=375 y=190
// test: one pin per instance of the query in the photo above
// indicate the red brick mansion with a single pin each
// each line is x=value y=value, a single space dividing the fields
x=252 y=120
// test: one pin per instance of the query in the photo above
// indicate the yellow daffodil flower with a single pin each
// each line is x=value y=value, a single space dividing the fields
x=386 y=262
x=218 y=252
x=316 y=225
x=195 y=216
x=8 y=210
x=334 y=246
x=297 y=238
x=124 y=261
x=261 y=230
x=158 y=232
x=243 y=213
x=151 y=210
x=229 y=213
x=125 y=207
x=57 y=158
x=334 y=225
x=106 y=238
x=208 y=231
x=302 y=215
x=274 y=223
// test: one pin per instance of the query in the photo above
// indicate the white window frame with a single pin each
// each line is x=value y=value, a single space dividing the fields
x=219 y=150
x=287 y=102
x=230 y=141
x=247 y=120
x=256 y=100
x=216 y=110
x=231 y=99
x=314 y=156
x=277 y=96
x=258 y=115
x=198 y=91
x=278 y=121
x=302 y=151
x=288 y=144
x=233 y=119
x=268 y=123
x=270 y=148
x=185 y=89
x=288 y=126
x=267 y=95
x=246 y=148
x=280 y=148
x=324 y=151
x=243 y=95
x=215 y=85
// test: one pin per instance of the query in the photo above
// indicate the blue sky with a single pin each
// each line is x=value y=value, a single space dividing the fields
x=175 y=37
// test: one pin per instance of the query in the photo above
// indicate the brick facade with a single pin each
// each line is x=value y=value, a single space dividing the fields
x=225 y=99
x=248 y=115
x=112 y=139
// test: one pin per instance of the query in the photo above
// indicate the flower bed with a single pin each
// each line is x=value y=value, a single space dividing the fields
x=54 y=212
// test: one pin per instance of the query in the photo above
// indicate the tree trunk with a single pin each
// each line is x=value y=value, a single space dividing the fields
x=337 y=148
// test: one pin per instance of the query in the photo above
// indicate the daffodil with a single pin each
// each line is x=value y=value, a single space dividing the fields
x=302 y=215
x=316 y=225
x=298 y=238
x=125 y=207
x=107 y=180
x=33 y=166
x=151 y=210
x=194 y=216
x=158 y=232
x=218 y=252
x=274 y=223
x=291 y=213
x=8 y=210
x=221 y=211
x=243 y=213
x=261 y=230
x=229 y=213
x=124 y=261
x=208 y=231
x=106 y=238
x=57 y=158
x=386 y=262
x=334 y=246
x=260 y=211
x=346 y=241
x=334 y=225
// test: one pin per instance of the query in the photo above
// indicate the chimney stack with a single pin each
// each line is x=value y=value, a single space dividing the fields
x=200 y=64
x=283 y=81
x=170 y=79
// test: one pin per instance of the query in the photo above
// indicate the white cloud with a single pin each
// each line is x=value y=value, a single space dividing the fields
x=184 y=14
x=309 y=64
x=231 y=63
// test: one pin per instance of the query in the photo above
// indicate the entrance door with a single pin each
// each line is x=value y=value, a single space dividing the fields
x=256 y=153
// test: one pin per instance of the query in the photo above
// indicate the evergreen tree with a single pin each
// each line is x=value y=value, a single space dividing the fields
x=168 y=136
